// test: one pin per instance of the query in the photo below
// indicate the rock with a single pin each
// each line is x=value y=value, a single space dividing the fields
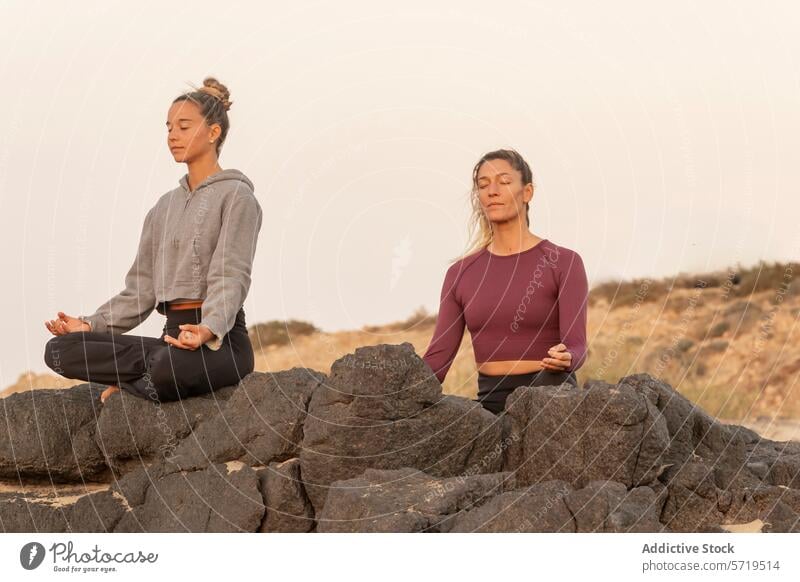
x=382 y=408
x=404 y=500
x=130 y=427
x=21 y=514
x=694 y=434
x=778 y=507
x=608 y=506
x=694 y=501
x=578 y=435
x=783 y=460
x=98 y=512
x=62 y=509
x=50 y=434
x=554 y=506
x=219 y=498
x=377 y=447
x=261 y=423
x=287 y=506
x=536 y=508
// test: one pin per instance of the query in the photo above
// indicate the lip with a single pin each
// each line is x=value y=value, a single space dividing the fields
x=175 y=149
x=494 y=204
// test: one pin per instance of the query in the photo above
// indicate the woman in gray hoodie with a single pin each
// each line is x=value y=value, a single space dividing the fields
x=193 y=265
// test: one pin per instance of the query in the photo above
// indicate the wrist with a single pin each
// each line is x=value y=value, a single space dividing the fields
x=205 y=333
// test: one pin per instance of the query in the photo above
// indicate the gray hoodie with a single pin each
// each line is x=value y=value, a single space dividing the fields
x=194 y=245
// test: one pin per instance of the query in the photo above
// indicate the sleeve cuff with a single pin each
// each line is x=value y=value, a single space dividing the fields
x=95 y=321
x=578 y=358
x=216 y=342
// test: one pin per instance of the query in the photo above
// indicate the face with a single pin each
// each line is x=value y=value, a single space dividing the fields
x=501 y=192
x=188 y=134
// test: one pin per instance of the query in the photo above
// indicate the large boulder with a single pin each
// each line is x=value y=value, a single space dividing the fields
x=382 y=408
x=578 y=435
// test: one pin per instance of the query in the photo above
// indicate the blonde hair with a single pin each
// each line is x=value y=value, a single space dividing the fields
x=480 y=229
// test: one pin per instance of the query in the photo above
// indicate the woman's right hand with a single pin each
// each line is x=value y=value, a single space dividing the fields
x=66 y=324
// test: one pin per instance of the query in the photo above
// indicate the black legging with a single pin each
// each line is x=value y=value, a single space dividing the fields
x=149 y=367
x=494 y=390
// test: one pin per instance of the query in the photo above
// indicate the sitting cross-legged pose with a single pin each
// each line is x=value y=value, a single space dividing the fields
x=522 y=297
x=193 y=265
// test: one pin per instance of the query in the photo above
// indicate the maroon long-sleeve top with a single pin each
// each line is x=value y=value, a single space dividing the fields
x=516 y=307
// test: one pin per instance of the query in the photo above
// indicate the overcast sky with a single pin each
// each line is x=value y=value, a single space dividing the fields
x=663 y=139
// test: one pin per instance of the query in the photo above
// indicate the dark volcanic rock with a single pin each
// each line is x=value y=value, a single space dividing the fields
x=97 y=512
x=136 y=428
x=608 y=506
x=404 y=500
x=261 y=423
x=20 y=514
x=601 y=432
x=382 y=408
x=287 y=506
x=50 y=434
x=554 y=506
x=62 y=509
x=377 y=447
x=694 y=434
x=777 y=506
x=774 y=463
x=220 y=498
x=536 y=508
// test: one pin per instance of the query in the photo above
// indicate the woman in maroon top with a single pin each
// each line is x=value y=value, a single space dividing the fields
x=522 y=297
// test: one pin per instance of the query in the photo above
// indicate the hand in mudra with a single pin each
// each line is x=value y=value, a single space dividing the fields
x=190 y=337
x=560 y=359
x=65 y=324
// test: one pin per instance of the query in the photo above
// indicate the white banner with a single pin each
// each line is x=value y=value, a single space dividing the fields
x=421 y=557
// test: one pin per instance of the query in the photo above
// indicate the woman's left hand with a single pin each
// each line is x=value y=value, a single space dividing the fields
x=560 y=359
x=190 y=337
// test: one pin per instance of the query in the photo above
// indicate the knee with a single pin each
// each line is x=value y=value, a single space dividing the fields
x=165 y=378
x=55 y=352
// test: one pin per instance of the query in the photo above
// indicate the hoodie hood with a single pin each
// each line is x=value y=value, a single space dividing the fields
x=231 y=174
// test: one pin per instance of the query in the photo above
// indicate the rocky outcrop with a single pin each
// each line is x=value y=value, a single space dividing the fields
x=382 y=409
x=377 y=446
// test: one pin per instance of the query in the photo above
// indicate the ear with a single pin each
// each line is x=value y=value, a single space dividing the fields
x=527 y=193
x=214 y=132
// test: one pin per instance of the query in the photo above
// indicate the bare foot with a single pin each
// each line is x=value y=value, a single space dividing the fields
x=108 y=392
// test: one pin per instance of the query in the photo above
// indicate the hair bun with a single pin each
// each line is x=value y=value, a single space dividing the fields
x=218 y=90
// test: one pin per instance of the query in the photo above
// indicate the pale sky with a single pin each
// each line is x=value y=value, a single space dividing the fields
x=663 y=139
